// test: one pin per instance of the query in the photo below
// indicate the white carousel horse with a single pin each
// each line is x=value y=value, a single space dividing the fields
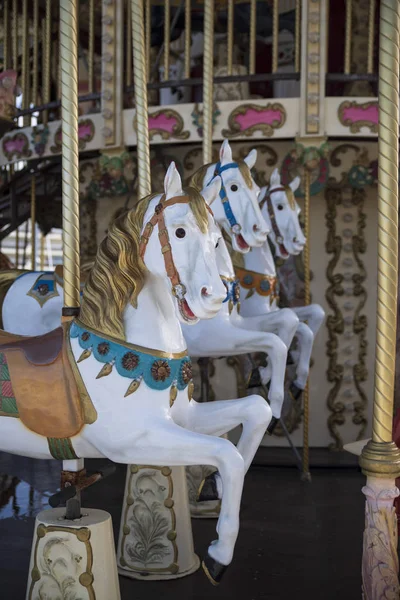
x=129 y=361
x=258 y=278
x=259 y=285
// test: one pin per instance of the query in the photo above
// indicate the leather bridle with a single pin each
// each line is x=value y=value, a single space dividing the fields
x=178 y=288
x=235 y=227
x=271 y=211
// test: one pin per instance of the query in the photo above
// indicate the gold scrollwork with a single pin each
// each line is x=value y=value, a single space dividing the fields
x=174 y=131
x=355 y=125
x=336 y=321
x=86 y=131
x=266 y=127
x=16 y=145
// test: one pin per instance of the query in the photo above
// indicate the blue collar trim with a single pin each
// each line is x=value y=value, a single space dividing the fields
x=224 y=198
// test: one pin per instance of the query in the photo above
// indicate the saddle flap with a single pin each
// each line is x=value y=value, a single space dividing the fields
x=46 y=392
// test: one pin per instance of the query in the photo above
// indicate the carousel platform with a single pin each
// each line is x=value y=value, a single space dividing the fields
x=296 y=539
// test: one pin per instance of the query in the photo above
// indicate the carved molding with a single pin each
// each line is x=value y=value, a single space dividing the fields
x=346 y=296
x=247 y=119
x=356 y=115
x=166 y=123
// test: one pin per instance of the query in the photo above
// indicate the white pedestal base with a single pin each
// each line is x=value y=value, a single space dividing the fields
x=73 y=558
x=155 y=538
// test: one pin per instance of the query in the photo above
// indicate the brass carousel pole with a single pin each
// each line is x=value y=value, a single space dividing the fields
x=208 y=76
x=173 y=476
x=70 y=156
x=306 y=476
x=380 y=458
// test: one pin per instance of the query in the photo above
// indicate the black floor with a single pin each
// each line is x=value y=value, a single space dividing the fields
x=297 y=540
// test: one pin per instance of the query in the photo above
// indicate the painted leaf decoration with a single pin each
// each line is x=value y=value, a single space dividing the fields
x=85 y=354
x=190 y=390
x=172 y=395
x=132 y=387
x=106 y=370
x=250 y=293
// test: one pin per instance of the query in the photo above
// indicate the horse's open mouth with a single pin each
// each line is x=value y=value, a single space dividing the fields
x=186 y=312
x=283 y=251
x=241 y=242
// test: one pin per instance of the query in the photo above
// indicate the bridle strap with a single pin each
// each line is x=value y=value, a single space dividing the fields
x=223 y=195
x=271 y=212
x=178 y=289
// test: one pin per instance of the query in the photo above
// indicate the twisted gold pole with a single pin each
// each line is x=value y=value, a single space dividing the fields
x=230 y=37
x=128 y=75
x=188 y=38
x=253 y=14
x=307 y=300
x=35 y=66
x=70 y=157
x=275 y=35
x=371 y=34
x=381 y=457
x=148 y=37
x=15 y=35
x=142 y=120
x=6 y=34
x=347 y=43
x=25 y=61
x=33 y=222
x=208 y=75
x=297 y=26
x=167 y=20
x=91 y=48
x=46 y=59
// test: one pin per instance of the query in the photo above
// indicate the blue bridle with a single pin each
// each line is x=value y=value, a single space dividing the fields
x=236 y=228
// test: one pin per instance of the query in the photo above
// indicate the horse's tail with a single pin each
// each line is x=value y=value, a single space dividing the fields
x=7 y=278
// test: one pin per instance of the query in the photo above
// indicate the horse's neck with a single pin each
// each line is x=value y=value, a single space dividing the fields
x=154 y=323
x=224 y=261
x=260 y=260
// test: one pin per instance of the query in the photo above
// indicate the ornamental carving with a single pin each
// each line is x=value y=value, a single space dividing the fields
x=62 y=563
x=148 y=541
x=247 y=119
x=166 y=123
x=197 y=118
x=346 y=296
x=16 y=146
x=86 y=131
x=356 y=115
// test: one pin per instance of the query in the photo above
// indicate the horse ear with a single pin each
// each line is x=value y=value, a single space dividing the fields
x=275 y=178
x=172 y=182
x=262 y=193
x=211 y=191
x=294 y=184
x=251 y=158
x=225 y=154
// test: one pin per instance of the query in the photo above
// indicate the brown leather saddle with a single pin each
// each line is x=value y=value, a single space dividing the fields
x=50 y=395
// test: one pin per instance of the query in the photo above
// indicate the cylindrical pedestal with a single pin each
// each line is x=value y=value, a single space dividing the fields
x=73 y=558
x=155 y=539
x=200 y=510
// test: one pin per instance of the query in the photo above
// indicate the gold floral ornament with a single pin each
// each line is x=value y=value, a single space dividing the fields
x=160 y=370
x=187 y=372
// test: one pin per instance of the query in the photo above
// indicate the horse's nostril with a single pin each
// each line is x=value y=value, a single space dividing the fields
x=204 y=292
x=256 y=228
x=295 y=240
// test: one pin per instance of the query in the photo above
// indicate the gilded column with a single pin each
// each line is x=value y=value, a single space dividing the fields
x=380 y=459
x=140 y=82
x=70 y=157
x=208 y=76
x=111 y=73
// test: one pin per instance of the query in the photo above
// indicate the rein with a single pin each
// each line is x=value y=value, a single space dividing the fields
x=267 y=199
x=178 y=288
x=235 y=227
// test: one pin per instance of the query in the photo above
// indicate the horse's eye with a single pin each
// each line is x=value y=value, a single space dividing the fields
x=234 y=187
x=180 y=233
x=217 y=244
x=280 y=207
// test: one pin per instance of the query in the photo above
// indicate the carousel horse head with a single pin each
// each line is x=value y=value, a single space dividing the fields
x=169 y=238
x=237 y=211
x=281 y=211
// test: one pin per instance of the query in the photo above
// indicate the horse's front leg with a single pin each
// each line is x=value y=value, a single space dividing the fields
x=306 y=339
x=314 y=314
x=221 y=416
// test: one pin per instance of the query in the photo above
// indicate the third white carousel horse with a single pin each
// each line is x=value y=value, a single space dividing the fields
x=117 y=382
x=257 y=272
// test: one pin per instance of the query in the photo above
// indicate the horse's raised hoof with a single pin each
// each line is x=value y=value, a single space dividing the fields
x=273 y=423
x=254 y=380
x=213 y=569
x=295 y=392
x=208 y=489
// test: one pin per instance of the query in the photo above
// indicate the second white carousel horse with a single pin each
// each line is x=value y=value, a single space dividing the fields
x=257 y=274
x=117 y=382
